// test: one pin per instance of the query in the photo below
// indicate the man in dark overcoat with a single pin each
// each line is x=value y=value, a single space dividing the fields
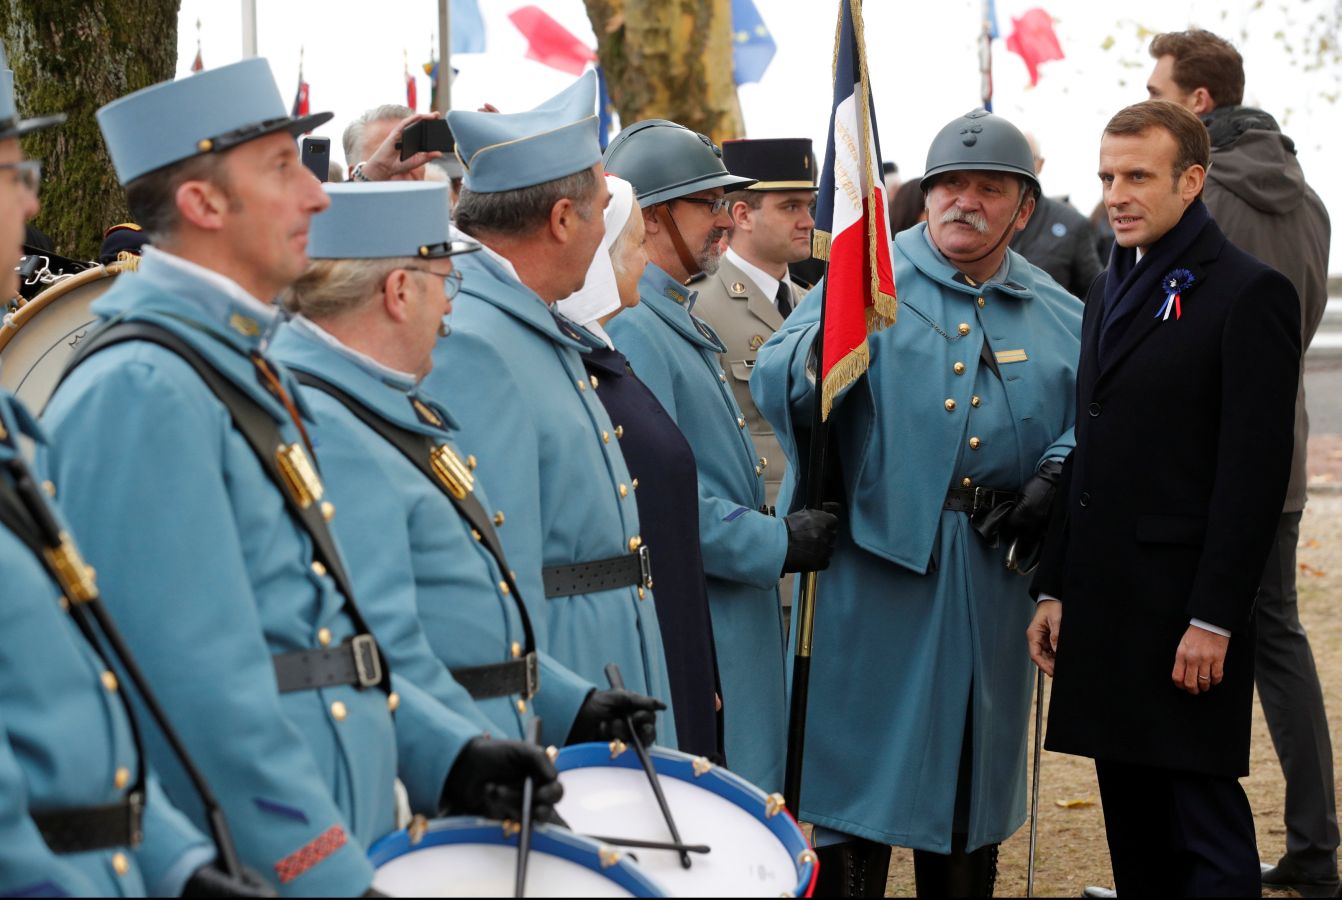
x=1185 y=413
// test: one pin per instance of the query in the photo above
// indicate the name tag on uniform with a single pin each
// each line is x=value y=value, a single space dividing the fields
x=1010 y=356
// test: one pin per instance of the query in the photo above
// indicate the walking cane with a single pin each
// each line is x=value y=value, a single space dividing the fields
x=1034 y=787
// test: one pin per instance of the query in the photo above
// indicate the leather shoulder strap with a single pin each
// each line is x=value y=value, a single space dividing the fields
x=262 y=434
x=419 y=449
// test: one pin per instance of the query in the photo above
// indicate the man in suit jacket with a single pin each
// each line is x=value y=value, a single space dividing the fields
x=751 y=294
x=1185 y=408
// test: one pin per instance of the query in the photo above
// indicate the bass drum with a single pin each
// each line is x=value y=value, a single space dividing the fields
x=38 y=339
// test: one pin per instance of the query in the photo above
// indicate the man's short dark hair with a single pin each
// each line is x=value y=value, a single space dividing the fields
x=523 y=210
x=1190 y=135
x=1203 y=59
x=152 y=198
x=753 y=199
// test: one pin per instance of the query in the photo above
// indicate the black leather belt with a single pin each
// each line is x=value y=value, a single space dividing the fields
x=518 y=676
x=90 y=828
x=976 y=500
x=355 y=662
x=630 y=570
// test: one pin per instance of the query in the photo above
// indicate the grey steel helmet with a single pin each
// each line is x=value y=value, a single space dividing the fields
x=663 y=161
x=980 y=141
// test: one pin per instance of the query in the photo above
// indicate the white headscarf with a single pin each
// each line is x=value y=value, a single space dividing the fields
x=600 y=295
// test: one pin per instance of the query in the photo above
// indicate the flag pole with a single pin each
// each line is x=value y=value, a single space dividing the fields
x=444 y=58
x=986 y=55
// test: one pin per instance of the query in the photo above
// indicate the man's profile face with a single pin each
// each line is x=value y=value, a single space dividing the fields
x=591 y=230
x=18 y=204
x=702 y=228
x=1141 y=195
x=782 y=226
x=272 y=198
x=1162 y=86
x=968 y=212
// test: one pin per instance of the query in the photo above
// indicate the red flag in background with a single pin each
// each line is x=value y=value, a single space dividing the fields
x=1033 y=38
x=551 y=43
x=199 y=64
x=301 y=106
x=411 y=94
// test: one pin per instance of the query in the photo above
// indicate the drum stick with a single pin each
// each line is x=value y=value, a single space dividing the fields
x=650 y=845
x=617 y=682
x=524 y=837
x=1034 y=799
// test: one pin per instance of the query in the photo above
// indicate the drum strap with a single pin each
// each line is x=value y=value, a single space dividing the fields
x=419 y=449
x=263 y=435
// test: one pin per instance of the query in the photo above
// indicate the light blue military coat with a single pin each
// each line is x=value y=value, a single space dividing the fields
x=918 y=623
x=550 y=458
x=66 y=742
x=208 y=575
x=435 y=593
x=677 y=355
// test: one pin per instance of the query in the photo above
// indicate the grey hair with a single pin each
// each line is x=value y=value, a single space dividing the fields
x=333 y=287
x=525 y=209
x=352 y=139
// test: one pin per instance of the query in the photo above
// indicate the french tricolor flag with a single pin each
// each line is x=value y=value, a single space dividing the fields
x=852 y=230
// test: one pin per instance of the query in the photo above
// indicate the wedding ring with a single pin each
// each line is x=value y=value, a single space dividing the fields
x=1203 y=678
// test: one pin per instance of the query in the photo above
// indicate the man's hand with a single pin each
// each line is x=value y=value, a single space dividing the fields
x=211 y=881
x=1199 y=663
x=602 y=717
x=386 y=162
x=1042 y=635
x=486 y=780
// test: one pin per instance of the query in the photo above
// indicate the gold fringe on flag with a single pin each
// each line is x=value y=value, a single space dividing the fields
x=844 y=373
x=820 y=241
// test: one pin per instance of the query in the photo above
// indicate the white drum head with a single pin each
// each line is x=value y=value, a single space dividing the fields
x=487 y=870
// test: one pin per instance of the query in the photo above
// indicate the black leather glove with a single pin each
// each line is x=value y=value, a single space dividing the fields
x=211 y=881
x=374 y=892
x=811 y=534
x=601 y=717
x=486 y=780
x=1029 y=517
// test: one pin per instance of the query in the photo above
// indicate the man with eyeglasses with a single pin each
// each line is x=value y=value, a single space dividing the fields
x=442 y=600
x=680 y=182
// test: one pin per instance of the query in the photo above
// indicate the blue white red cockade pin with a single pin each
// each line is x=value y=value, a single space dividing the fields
x=1174 y=284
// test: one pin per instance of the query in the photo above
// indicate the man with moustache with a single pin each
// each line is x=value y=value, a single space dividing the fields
x=945 y=456
x=513 y=376
x=751 y=294
x=182 y=457
x=1185 y=409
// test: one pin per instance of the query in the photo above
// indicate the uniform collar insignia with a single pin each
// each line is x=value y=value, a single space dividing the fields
x=244 y=325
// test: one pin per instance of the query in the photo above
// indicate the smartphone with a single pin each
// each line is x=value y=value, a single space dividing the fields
x=317 y=156
x=425 y=135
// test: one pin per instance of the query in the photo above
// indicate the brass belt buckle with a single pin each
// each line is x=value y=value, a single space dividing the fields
x=645 y=566
x=533 y=674
x=367 y=660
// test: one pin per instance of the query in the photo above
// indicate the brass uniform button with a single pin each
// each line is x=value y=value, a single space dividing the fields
x=605 y=437
x=470 y=461
x=594 y=382
x=516 y=650
x=120 y=864
x=328 y=510
x=722 y=378
x=634 y=543
x=959 y=368
x=964 y=328
x=317 y=568
x=121 y=779
x=65 y=603
x=624 y=490
x=522 y=707
x=950 y=405
x=619 y=431
x=641 y=593
x=982 y=303
x=975 y=443
x=324 y=637
x=504 y=589
x=477 y=535
x=634 y=484
x=498 y=518
x=740 y=421
x=759 y=470
x=764 y=462
x=109 y=682
x=582 y=385
x=976 y=401
x=968 y=482
x=338 y=711
x=50 y=488
x=393 y=701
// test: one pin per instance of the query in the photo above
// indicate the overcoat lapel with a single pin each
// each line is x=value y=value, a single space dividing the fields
x=762 y=308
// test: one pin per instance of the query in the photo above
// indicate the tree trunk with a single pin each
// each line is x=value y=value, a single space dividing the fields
x=670 y=59
x=74 y=56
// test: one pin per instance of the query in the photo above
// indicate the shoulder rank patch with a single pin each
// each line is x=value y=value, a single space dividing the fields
x=1011 y=356
x=309 y=855
x=244 y=325
x=425 y=413
x=676 y=295
x=756 y=341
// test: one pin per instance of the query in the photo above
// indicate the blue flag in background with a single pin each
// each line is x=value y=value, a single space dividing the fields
x=468 y=28
x=753 y=47
x=991 y=14
x=605 y=108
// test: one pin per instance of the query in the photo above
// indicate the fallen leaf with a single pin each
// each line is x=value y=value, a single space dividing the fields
x=1311 y=544
x=1311 y=571
x=1076 y=803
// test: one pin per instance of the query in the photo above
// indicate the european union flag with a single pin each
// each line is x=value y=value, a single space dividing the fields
x=468 y=27
x=605 y=109
x=753 y=47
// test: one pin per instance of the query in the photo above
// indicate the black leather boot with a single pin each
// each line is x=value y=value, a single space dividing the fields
x=957 y=874
x=856 y=868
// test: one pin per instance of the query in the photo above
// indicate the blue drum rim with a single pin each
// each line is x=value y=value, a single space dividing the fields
x=717 y=780
x=548 y=839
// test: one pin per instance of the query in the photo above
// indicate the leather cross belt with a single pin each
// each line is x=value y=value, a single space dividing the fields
x=518 y=676
x=977 y=499
x=631 y=570
x=355 y=662
x=87 y=828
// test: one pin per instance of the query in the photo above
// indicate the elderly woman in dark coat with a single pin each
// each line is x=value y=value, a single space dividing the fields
x=664 y=475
